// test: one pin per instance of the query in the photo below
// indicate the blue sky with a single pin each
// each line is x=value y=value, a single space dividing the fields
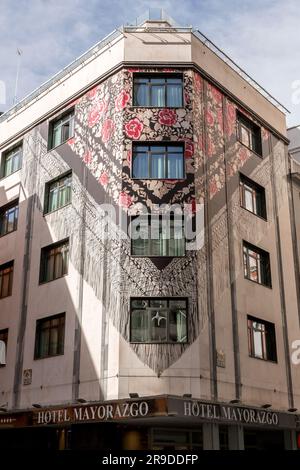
x=261 y=36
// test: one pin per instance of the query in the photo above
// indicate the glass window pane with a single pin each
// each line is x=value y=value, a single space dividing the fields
x=175 y=166
x=178 y=326
x=248 y=199
x=257 y=340
x=174 y=95
x=158 y=303
x=159 y=325
x=141 y=94
x=253 y=265
x=140 y=167
x=53 y=349
x=56 y=137
x=158 y=166
x=139 y=326
x=158 y=96
x=245 y=136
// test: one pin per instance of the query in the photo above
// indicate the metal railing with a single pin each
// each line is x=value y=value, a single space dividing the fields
x=225 y=58
x=152 y=15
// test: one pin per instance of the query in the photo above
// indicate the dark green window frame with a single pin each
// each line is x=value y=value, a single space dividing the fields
x=50 y=336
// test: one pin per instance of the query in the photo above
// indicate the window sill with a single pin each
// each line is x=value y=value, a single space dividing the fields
x=41 y=283
x=55 y=210
x=175 y=180
x=5 y=296
x=258 y=283
x=264 y=360
x=253 y=213
x=157 y=107
x=62 y=143
x=158 y=256
x=8 y=233
x=251 y=150
x=159 y=342
x=48 y=357
x=13 y=173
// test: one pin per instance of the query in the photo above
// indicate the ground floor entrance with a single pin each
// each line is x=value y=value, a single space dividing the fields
x=155 y=423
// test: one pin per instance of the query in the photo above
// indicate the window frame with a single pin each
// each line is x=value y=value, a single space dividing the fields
x=168 y=299
x=165 y=76
x=38 y=330
x=4 y=266
x=43 y=265
x=4 y=155
x=149 y=216
x=244 y=180
x=4 y=209
x=252 y=128
x=158 y=144
x=69 y=112
x=48 y=184
x=261 y=253
x=4 y=331
x=269 y=330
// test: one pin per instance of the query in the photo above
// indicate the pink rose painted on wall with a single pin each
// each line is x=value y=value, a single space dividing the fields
x=189 y=149
x=96 y=112
x=125 y=200
x=104 y=178
x=107 y=130
x=92 y=93
x=216 y=94
x=87 y=157
x=93 y=116
x=121 y=100
x=220 y=117
x=167 y=117
x=197 y=82
x=133 y=128
x=209 y=118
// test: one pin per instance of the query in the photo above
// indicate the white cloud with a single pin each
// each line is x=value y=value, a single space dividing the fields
x=262 y=36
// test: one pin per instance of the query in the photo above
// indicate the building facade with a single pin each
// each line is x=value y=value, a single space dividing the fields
x=113 y=339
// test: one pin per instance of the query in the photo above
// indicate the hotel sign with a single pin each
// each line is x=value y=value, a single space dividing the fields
x=235 y=414
x=103 y=412
x=181 y=411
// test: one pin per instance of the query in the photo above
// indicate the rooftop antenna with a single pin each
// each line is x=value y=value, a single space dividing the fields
x=19 y=53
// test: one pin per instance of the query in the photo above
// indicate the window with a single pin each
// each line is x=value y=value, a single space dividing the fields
x=6 y=279
x=54 y=261
x=9 y=218
x=158 y=320
x=50 y=334
x=11 y=161
x=253 y=197
x=3 y=347
x=58 y=193
x=158 y=161
x=257 y=265
x=157 y=236
x=262 y=339
x=158 y=91
x=61 y=129
x=249 y=133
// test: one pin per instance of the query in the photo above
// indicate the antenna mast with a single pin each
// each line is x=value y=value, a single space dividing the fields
x=19 y=53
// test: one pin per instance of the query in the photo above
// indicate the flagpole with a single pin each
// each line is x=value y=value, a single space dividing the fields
x=19 y=53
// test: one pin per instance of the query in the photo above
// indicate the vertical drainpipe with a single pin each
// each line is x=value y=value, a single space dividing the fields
x=281 y=280
x=25 y=280
x=294 y=234
x=209 y=260
x=232 y=273
x=78 y=319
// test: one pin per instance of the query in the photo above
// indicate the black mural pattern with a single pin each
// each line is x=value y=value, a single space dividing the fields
x=106 y=124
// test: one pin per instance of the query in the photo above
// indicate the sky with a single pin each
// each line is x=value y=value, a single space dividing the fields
x=262 y=36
